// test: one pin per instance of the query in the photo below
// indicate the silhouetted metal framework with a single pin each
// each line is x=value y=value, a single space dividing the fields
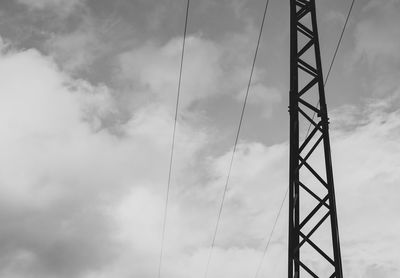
x=314 y=249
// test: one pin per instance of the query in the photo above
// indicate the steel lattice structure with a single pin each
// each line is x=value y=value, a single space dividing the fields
x=311 y=188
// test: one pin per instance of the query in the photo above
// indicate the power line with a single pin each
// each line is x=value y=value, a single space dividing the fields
x=326 y=80
x=270 y=235
x=173 y=142
x=339 y=42
x=236 y=140
x=334 y=56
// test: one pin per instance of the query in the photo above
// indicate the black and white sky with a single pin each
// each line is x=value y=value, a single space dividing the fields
x=87 y=102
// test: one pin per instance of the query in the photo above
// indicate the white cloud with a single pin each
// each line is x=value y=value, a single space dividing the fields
x=155 y=69
x=365 y=163
x=335 y=17
x=379 y=36
x=61 y=170
x=76 y=50
x=263 y=97
x=365 y=166
x=82 y=201
x=61 y=6
x=92 y=39
x=210 y=69
x=377 y=40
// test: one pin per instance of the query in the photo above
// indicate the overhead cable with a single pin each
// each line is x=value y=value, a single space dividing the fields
x=270 y=235
x=334 y=56
x=173 y=143
x=236 y=140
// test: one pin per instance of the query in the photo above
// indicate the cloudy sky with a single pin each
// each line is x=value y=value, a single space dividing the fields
x=87 y=97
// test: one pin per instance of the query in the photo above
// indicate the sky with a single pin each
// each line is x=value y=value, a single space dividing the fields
x=87 y=102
